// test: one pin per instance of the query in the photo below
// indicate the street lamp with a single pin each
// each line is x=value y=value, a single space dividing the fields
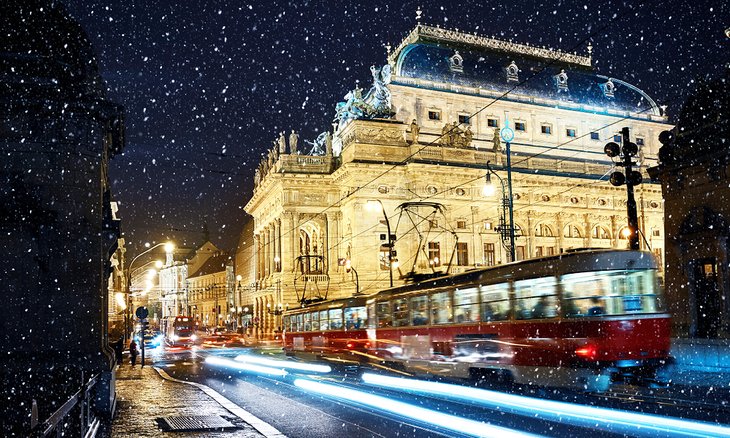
x=373 y=204
x=506 y=229
x=169 y=247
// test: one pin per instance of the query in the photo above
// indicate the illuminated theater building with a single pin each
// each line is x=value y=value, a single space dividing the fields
x=423 y=135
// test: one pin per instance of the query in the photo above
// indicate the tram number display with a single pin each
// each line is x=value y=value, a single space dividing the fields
x=632 y=303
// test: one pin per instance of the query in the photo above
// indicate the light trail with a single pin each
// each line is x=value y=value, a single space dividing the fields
x=246 y=367
x=611 y=420
x=422 y=415
x=283 y=364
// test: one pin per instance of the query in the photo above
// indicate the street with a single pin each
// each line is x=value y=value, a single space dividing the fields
x=295 y=410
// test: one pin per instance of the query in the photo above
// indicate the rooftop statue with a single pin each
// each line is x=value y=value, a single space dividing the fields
x=376 y=103
x=293 y=139
x=318 y=145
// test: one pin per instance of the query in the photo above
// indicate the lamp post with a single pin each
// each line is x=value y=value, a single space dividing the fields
x=169 y=247
x=506 y=229
x=389 y=240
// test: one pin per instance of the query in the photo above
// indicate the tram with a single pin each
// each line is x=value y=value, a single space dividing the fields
x=582 y=319
x=179 y=331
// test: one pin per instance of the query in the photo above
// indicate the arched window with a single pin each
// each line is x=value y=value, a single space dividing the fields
x=624 y=233
x=542 y=230
x=571 y=230
x=601 y=232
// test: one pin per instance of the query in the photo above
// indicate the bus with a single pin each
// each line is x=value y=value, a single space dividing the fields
x=582 y=319
x=179 y=331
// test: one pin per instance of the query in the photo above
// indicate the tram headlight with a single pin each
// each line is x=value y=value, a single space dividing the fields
x=175 y=338
x=193 y=337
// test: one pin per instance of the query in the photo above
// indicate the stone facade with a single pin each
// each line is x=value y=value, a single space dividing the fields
x=58 y=133
x=313 y=212
x=693 y=170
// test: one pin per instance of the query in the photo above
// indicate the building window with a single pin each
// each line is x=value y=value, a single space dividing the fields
x=493 y=123
x=542 y=230
x=658 y=255
x=570 y=132
x=464 y=119
x=639 y=141
x=489 y=255
x=434 y=115
x=550 y=250
x=595 y=136
x=617 y=138
x=520 y=126
x=571 y=231
x=600 y=232
x=461 y=224
x=655 y=232
x=433 y=224
x=434 y=253
x=462 y=254
x=538 y=251
x=384 y=256
x=520 y=253
x=546 y=129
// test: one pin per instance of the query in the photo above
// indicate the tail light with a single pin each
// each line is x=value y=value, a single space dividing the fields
x=350 y=345
x=588 y=352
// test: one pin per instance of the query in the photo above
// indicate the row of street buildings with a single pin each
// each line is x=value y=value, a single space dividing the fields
x=395 y=188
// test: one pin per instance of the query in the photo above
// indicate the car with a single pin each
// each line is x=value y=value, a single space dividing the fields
x=226 y=340
x=152 y=338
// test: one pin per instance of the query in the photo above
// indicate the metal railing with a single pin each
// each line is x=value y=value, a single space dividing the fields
x=75 y=418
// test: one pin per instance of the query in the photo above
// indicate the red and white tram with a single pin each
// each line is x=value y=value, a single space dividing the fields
x=580 y=319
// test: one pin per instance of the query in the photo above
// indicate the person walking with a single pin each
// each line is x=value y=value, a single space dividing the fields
x=133 y=352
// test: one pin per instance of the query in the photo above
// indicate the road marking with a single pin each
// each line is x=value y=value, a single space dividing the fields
x=260 y=425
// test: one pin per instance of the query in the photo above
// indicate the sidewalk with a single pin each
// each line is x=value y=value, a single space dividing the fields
x=144 y=396
x=699 y=362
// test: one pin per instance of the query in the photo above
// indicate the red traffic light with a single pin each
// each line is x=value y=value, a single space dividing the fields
x=617 y=179
x=612 y=149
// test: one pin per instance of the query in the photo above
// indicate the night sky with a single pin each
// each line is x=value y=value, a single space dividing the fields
x=208 y=84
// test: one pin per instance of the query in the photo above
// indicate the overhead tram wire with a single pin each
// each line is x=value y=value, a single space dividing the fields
x=580 y=43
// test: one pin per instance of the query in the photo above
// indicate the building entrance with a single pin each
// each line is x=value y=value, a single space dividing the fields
x=707 y=310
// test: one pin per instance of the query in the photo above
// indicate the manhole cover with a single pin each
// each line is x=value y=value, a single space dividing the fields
x=194 y=423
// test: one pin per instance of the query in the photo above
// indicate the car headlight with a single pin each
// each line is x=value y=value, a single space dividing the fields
x=194 y=337
x=175 y=338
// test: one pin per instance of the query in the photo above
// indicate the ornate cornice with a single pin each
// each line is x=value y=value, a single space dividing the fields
x=423 y=32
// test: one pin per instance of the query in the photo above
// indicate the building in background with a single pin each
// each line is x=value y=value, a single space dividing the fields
x=210 y=292
x=407 y=159
x=58 y=134
x=693 y=170
x=245 y=275
x=173 y=282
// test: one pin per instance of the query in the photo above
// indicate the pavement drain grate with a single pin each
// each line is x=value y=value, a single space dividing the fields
x=195 y=423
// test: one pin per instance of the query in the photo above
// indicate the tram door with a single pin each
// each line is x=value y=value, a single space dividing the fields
x=707 y=298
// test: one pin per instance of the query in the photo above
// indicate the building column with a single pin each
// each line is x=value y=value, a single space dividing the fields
x=561 y=238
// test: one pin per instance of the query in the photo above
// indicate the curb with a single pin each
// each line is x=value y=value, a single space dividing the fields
x=260 y=425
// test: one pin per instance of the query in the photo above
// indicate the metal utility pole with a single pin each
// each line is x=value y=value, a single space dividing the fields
x=631 y=178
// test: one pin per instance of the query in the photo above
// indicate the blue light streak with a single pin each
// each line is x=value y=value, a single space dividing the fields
x=283 y=364
x=423 y=415
x=590 y=416
x=249 y=368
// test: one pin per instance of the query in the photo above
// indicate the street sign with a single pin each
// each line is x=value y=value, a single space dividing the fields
x=142 y=312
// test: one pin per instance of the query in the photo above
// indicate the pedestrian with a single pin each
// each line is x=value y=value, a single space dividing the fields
x=133 y=352
x=118 y=349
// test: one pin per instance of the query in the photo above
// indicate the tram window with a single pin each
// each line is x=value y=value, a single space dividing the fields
x=383 y=312
x=495 y=302
x=441 y=308
x=286 y=323
x=419 y=310
x=400 y=312
x=466 y=305
x=610 y=293
x=298 y=323
x=335 y=319
x=315 y=321
x=355 y=318
x=324 y=323
x=535 y=298
x=307 y=322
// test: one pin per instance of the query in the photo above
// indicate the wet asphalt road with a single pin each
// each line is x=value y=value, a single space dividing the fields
x=298 y=413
